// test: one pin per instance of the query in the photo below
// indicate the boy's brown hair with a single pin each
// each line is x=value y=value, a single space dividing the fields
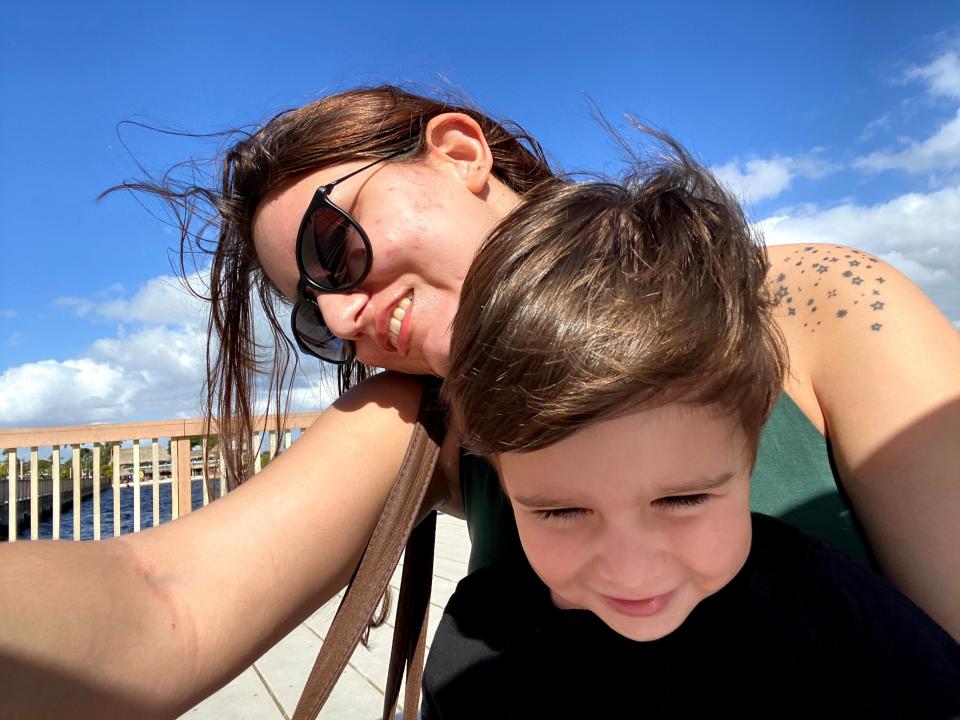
x=598 y=299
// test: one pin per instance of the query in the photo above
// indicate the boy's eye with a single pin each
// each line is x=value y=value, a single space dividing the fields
x=561 y=514
x=682 y=501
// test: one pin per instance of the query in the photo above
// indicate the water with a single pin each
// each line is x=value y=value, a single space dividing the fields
x=106 y=513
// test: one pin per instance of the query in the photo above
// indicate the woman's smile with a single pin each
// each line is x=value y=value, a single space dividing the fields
x=399 y=328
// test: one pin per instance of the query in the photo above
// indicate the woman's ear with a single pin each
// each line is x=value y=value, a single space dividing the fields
x=457 y=141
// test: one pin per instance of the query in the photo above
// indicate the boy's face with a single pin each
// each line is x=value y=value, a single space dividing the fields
x=636 y=519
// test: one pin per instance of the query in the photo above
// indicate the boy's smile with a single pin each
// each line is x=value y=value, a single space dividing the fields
x=638 y=518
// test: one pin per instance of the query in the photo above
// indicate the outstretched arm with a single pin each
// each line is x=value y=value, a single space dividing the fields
x=146 y=625
x=881 y=365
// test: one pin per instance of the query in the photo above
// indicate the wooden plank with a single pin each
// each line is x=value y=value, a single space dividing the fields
x=96 y=491
x=185 y=498
x=55 y=472
x=77 y=503
x=287 y=439
x=257 y=460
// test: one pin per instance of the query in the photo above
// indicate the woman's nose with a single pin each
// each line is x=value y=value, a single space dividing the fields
x=344 y=313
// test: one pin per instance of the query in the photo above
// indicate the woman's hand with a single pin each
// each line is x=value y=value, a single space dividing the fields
x=877 y=367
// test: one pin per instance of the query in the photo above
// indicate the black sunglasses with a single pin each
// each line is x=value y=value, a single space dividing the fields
x=333 y=256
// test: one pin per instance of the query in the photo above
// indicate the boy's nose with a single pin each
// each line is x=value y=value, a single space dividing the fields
x=344 y=313
x=630 y=561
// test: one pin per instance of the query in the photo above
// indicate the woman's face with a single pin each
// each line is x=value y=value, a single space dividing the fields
x=425 y=225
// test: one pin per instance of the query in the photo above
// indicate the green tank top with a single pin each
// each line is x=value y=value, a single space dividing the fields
x=794 y=479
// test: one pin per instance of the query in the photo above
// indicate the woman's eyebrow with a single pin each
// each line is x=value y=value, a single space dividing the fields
x=698 y=485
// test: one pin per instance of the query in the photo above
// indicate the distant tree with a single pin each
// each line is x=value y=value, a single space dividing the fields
x=196 y=441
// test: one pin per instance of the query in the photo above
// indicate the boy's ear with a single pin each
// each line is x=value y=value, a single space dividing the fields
x=457 y=141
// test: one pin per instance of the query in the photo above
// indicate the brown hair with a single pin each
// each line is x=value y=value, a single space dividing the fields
x=592 y=300
x=359 y=123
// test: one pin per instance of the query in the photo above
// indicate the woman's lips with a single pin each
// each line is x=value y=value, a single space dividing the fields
x=398 y=330
x=639 y=608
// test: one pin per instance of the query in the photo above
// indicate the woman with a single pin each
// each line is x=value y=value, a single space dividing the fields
x=887 y=397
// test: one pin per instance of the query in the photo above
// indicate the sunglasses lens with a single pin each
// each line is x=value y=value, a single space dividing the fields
x=315 y=337
x=333 y=252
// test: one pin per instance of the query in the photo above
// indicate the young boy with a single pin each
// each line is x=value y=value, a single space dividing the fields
x=615 y=358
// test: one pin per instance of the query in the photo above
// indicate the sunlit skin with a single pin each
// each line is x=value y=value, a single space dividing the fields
x=425 y=220
x=636 y=519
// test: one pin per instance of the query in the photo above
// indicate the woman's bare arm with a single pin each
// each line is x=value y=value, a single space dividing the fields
x=148 y=624
x=878 y=367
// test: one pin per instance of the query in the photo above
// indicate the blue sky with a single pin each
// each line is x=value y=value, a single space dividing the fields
x=834 y=121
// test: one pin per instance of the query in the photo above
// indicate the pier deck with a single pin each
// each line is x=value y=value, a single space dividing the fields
x=269 y=689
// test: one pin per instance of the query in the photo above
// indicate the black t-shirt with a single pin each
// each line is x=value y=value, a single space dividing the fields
x=801 y=631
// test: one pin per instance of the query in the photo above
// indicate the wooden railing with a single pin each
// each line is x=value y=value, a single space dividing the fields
x=32 y=497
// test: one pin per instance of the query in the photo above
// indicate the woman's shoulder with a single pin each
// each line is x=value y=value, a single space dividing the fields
x=387 y=389
x=852 y=321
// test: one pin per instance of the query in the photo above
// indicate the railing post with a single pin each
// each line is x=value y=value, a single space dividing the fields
x=155 y=458
x=55 y=472
x=184 y=481
x=115 y=453
x=34 y=494
x=96 y=491
x=12 y=494
x=77 y=493
x=136 y=485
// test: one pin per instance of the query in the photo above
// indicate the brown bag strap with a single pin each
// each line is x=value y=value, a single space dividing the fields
x=379 y=560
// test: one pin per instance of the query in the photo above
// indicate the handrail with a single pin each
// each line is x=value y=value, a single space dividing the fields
x=32 y=498
x=98 y=433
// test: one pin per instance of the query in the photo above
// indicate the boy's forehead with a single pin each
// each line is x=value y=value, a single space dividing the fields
x=666 y=448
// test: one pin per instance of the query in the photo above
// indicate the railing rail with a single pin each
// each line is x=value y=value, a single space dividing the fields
x=64 y=485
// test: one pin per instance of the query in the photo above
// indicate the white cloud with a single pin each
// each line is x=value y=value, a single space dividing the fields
x=161 y=300
x=761 y=179
x=154 y=373
x=940 y=150
x=937 y=152
x=917 y=233
x=942 y=75
x=151 y=367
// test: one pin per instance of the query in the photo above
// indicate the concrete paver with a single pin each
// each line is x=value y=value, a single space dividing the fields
x=270 y=688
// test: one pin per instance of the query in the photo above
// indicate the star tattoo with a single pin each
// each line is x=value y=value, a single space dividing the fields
x=857 y=280
x=848 y=273
x=832 y=293
x=841 y=313
x=877 y=305
x=876 y=327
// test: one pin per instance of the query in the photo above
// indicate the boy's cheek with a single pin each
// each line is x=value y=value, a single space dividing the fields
x=554 y=556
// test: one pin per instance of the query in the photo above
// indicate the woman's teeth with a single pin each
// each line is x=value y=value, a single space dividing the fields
x=397 y=320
